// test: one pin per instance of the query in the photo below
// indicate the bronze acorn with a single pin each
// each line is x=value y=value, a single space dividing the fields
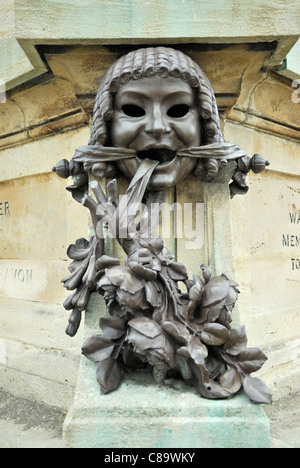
x=62 y=169
x=258 y=163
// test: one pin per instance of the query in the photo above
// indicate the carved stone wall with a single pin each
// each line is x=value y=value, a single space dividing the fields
x=266 y=260
x=36 y=226
x=45 y=119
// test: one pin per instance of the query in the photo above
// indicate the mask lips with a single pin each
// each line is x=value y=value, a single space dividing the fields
x=157 y=154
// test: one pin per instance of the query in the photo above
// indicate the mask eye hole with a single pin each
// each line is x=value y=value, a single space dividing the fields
x=132 y=110
x=178 y=111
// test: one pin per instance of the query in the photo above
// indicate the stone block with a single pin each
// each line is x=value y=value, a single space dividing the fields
x=46 y=101
x=265 y=228
x=37 y=359
x=34 y=205
x=129 y=21
x=11 y=119
x=37 y=374
x=143 y=414
x=37 y=325
x=33 y=280
x=39 y=157
x=273 y=100
x=29 y=205
x=190 y=226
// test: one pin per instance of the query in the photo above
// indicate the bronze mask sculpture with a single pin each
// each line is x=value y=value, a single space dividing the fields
x=156 y=121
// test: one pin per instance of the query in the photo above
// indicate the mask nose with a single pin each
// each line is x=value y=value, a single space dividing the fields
x=157 y=125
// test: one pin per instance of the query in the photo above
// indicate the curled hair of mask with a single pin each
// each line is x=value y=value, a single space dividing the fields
x=211 y=131
x=137 y=65
x=174 y=65
x=206 y=109
x=138 y=69
x=103 y=110
x=149 y=62
x=127 y=68
x=150 y=65
x=163 y=62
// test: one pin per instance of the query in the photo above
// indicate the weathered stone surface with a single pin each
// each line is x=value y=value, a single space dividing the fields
x=115 y=23
x=33 y=280
x=37 y=111
x=142 y=414
x=15 y=66
x=191 y=233
x=266 y=256
x=36 y=225
x=229 y=20
x=28 y=208
x=36 y=358
x=39 y=157
x=167 y=417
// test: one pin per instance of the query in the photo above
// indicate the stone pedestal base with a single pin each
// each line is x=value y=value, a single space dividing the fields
x=143 y=414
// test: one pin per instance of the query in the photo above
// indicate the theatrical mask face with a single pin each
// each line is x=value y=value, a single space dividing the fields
x=157 y=117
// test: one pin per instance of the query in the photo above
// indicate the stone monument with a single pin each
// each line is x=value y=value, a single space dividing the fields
x=166 y=338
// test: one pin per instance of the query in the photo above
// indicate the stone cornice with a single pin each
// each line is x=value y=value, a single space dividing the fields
x=30 y=23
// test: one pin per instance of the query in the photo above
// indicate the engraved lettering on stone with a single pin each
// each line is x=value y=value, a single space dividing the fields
x=4 y=209
x=292 y=240
x=18 y=275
